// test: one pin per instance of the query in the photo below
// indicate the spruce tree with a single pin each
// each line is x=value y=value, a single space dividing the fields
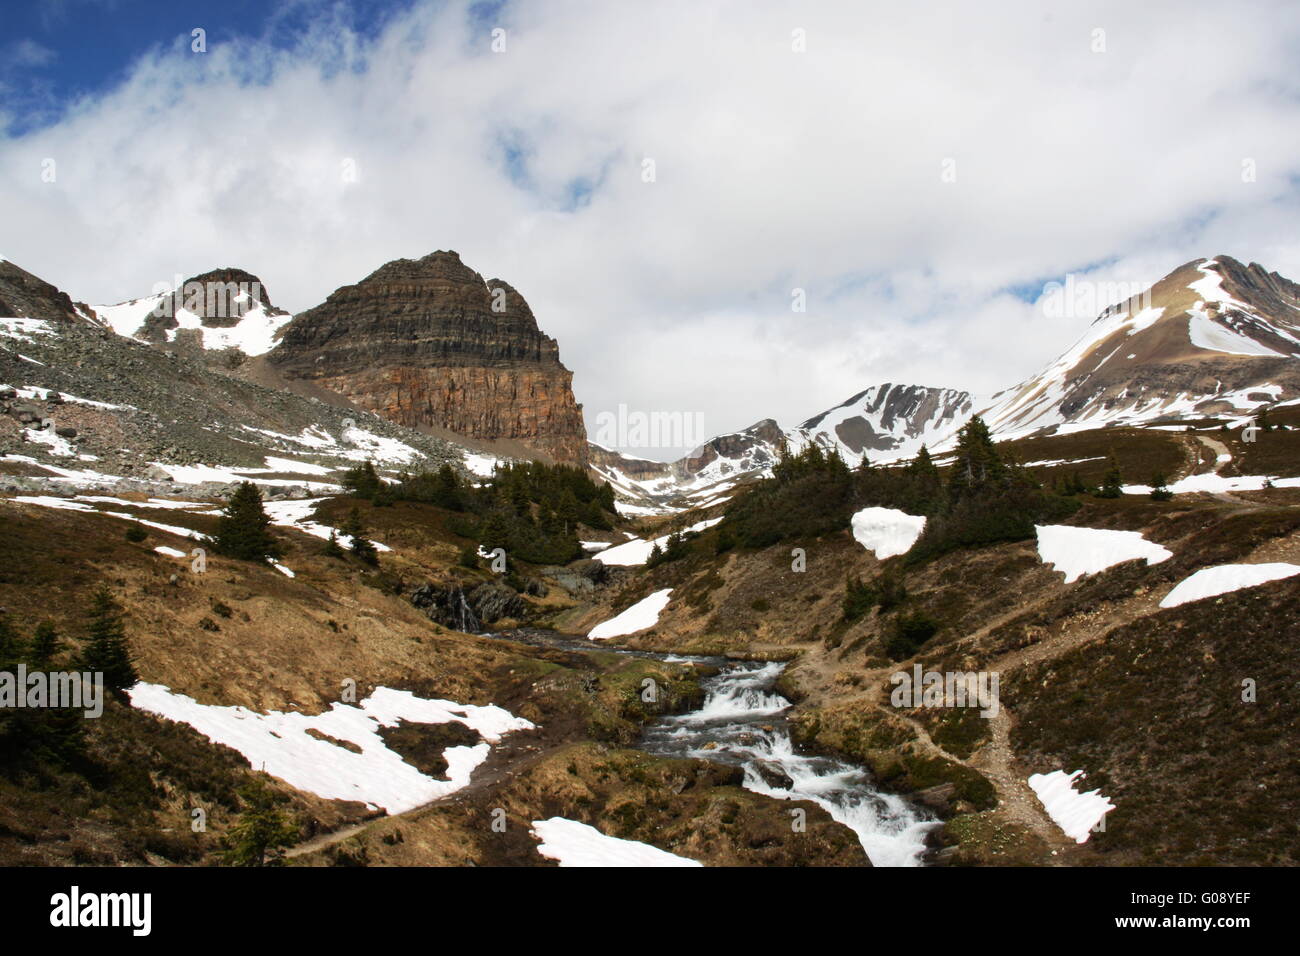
x=332 y=548
x=1159 y=490
x=446 y=489
x=1112 y=484
x=243 y=531
x=363 y=481
x=978 y=466
x=362 y=546
x=263 y=831
x=106 y=651
x=45 y=646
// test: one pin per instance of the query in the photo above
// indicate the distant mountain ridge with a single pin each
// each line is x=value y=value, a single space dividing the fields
x=430 y=344
x=1214 y=337
x=884 y=422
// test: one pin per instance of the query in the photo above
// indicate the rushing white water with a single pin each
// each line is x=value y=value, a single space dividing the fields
x=741 y=723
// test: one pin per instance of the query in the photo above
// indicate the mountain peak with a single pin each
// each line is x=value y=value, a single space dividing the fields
x=1213 y=336
x=428 y=342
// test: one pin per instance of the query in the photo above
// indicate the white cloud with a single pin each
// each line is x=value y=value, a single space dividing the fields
x=775 y=170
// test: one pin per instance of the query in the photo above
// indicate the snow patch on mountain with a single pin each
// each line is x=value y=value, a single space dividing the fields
x=1076 y=552
x=644 y=613
x=23 y=329
x=280 y=744
x=886 y=531
x=254 y=333
x=1225 y=578
x=638 y=550
x=1205 y=333
x=1075 y=813
x=577 y=844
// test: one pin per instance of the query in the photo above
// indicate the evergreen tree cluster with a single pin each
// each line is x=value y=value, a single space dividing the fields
x=984 y=498
x=39 y=734
x=363 y=481
x=532 y=510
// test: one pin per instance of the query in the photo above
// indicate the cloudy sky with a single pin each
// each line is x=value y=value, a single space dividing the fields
x=920 y=171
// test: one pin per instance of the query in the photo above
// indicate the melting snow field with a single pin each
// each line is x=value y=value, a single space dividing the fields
x=576 y=844
x=1075 y=813
x=1211 y=483
x=1209 y=582
x=642 y=614
x=1079 y=551
x=638 y=550
x=297 y=514
x=887 y=531
x=279 y=743
x=23 y=329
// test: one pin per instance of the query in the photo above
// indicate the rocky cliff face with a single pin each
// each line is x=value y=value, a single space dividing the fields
x=23 y=295
x=429 y=342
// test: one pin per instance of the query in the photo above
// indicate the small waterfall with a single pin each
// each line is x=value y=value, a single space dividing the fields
x=741 y=723
x=465 y=618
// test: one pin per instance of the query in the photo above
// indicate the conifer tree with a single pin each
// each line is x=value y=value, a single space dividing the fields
x=1159 y=490
x=446 y=488
x=263 y=831
x=496 y=531
x=362 y=546
x=243 y=531
x=363 y=481
x=106 y=651
x=1112 y=483
x=332 y=548
x=978 y=466
x=45 y=646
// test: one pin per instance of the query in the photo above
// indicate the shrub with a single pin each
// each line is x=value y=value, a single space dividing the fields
x=859 y=598
x=909 y=633
x=135 y=534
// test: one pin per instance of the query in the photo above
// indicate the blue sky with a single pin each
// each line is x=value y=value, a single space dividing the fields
x=57 y=51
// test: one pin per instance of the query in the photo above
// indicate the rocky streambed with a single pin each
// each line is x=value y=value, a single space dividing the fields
x=742 y=723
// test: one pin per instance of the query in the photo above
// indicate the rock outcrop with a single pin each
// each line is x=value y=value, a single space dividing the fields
x=23 y=295
x=428 y=342
x=218 y=299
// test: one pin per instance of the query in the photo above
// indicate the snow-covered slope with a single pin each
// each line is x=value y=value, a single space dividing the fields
x=887 y=422
x=222 y=309
x=1212 y=337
